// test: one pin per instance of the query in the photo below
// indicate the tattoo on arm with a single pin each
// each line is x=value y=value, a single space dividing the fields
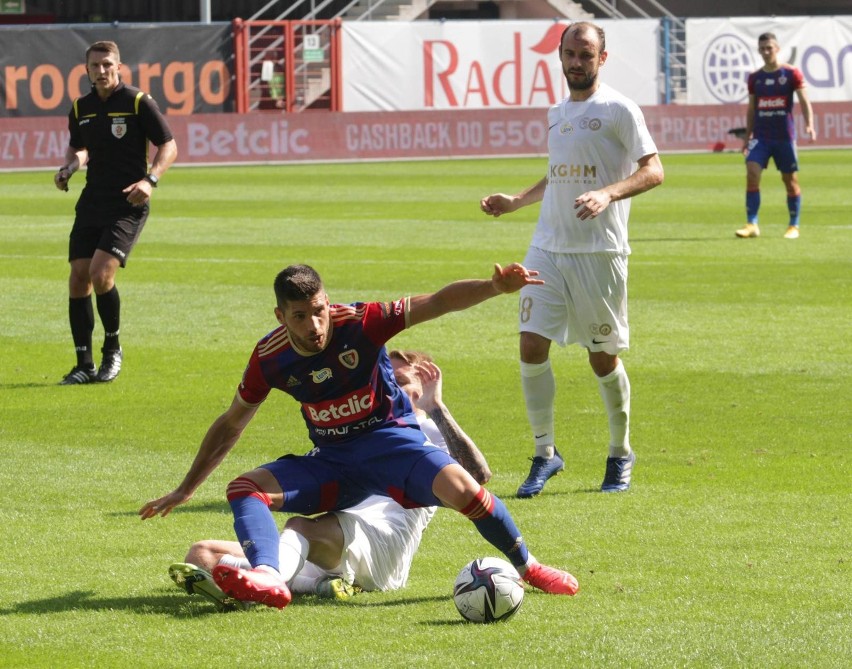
x=461 y=446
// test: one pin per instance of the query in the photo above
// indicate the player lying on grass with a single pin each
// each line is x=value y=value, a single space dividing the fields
x=332 y=359
x=369 y=546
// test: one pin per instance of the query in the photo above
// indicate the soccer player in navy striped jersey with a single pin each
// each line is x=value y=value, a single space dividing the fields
x=771 y=133
x=363 y=548
x=332 y=359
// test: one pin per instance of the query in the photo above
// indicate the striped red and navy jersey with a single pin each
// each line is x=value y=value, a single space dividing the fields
x=347 y=389
x=773 y=100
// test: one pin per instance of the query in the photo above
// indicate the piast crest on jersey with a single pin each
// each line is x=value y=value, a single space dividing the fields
x=349 y=359
x=119 y=127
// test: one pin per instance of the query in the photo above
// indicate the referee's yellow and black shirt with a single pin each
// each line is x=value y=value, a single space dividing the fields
x=116 y=132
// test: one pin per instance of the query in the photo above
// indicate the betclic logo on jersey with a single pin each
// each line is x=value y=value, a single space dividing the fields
x=341 y=410
x=773 y=102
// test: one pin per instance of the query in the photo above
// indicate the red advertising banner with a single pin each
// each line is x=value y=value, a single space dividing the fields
x=209 y=139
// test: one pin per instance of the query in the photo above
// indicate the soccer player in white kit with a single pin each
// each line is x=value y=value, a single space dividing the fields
x=369 y=546
x=601 y=154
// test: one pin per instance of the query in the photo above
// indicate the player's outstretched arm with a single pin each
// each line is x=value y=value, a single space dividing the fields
x=500 y=203
x=461 y=295
x=460 y=446
x=217 y=443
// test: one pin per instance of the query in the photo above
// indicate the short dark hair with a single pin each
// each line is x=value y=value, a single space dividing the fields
x=585 y=25
x=296 y=283
x=766 y=37
x=105 y=46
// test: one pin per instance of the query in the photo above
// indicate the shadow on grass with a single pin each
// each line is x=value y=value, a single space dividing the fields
x=176 y=605
x=87 y=600
x=401 y=601
x=642 y=240
x=561 y=493
x=192 y=507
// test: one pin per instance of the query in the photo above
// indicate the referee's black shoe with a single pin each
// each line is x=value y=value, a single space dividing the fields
x=110 y=365
x=79 y=374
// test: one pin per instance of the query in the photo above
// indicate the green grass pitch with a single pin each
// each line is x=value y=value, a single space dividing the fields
x=732 y=550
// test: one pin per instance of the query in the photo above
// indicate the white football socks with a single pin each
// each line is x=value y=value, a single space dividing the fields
x=539 y=388
x=293 y=551
x=235 y=562
x=615 y=391
x=305 y=585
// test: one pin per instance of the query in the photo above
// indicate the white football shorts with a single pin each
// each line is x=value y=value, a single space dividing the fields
x=381 y=539
x=583 y=300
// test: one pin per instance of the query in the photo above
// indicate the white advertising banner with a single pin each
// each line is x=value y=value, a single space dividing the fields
x=398 y=66
x=721 y=53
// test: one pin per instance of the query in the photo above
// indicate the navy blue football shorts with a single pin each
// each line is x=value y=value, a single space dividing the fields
x=783 y=152
x=397 y=462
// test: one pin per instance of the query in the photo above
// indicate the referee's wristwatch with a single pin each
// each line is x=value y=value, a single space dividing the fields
x=152 y=179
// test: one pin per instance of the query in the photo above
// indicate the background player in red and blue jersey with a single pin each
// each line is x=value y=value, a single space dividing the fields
x=332 y=359
x=771 y=132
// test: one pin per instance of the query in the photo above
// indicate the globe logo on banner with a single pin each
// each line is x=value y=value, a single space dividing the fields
x=727 y=63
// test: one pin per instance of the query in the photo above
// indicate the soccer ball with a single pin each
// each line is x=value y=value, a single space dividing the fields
x=487 y=590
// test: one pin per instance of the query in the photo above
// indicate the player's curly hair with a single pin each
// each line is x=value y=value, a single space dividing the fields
x=296 y=283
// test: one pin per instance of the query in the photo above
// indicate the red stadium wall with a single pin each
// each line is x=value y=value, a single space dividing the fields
x=203 y=139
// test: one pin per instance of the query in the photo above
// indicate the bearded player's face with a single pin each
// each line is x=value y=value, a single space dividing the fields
x=308 y=322
x=581 y=58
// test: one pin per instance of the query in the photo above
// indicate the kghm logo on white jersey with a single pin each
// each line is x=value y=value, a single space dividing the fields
x=575 y=170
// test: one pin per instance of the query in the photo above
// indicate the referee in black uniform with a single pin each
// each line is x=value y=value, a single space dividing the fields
x=110 y=131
